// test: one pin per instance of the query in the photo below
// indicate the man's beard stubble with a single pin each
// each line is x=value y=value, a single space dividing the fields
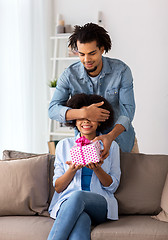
x=91 y=70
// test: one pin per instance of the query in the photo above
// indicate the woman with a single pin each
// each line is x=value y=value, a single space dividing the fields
x=84 y=194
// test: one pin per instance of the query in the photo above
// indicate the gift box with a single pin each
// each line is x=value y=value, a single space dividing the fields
x=85 y=151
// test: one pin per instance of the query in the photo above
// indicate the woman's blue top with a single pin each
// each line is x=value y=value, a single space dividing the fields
x=86 y=178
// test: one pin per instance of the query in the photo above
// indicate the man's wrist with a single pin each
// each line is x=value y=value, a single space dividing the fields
x=116 y=131
x=73 y=114
x=111 y=136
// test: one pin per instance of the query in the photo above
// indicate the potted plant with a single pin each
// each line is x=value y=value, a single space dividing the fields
x=52 y=84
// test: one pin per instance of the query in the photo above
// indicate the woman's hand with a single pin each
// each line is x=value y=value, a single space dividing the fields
x=95 y=166
x=74 y=166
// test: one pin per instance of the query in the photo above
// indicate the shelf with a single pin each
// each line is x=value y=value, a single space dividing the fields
x=60 y=36
x=62 y=134
x=64 y=55
x=64 y=58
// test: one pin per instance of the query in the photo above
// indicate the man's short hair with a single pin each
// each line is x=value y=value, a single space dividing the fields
x=88 y=33
x=83 y=100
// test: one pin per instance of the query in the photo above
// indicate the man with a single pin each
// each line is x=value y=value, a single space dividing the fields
x=95 y=74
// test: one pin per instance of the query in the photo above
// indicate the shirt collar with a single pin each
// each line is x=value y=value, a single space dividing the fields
x=82 y=72
x=105 y=70
x=106 y=67
x=77 y=136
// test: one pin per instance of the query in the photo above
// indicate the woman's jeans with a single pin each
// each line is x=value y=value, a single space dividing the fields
x=75 y=215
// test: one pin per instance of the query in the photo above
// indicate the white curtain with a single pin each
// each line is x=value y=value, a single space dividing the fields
x=23 y=75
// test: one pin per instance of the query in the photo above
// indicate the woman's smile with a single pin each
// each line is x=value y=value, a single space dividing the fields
x=86 y=127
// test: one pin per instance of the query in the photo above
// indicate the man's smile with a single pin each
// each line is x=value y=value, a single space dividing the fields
x=88 y=64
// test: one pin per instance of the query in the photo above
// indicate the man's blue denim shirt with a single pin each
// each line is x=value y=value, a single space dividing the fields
x=115 y=83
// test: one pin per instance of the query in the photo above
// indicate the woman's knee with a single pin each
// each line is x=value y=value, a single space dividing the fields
x=76 y=196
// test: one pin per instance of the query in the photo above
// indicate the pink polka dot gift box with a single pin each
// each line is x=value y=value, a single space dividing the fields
x=85 y=151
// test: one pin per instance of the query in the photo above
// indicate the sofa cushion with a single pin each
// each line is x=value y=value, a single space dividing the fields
x=24 y=186
x=25 y=227
x=12 y=154
x=142 y=180
x=163 y=215
x=131 y=228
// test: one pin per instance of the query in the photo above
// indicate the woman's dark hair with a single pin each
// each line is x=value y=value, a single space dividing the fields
x=88 y=33
x=83 y=100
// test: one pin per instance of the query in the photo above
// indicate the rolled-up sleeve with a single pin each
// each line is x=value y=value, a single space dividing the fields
x=113 y=187
x=114 y=171
x=57 y=109
x=126 y=99
x=125 y=121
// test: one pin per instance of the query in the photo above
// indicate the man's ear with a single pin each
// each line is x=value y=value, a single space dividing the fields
x=102 y=49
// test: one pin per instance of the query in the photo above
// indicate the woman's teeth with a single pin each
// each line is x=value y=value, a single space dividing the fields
x=86 y=126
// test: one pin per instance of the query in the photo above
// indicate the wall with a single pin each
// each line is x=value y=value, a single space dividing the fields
x=139 y=33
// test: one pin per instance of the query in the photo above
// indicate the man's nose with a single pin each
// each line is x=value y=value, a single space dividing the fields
x=87 y=58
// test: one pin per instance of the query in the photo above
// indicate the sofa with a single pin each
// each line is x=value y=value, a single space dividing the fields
x=26 y=191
